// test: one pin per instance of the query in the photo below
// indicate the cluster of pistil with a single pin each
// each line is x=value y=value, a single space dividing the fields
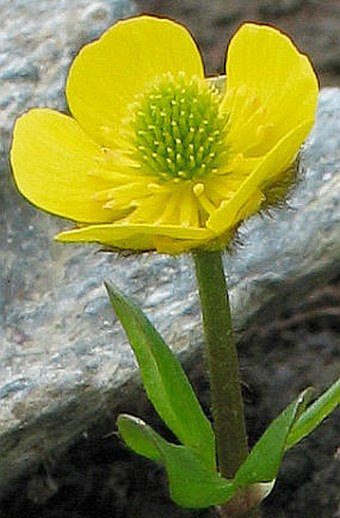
x=179 y=130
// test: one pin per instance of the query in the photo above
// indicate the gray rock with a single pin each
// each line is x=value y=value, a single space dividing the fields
x=64 y=359
x=280 y=7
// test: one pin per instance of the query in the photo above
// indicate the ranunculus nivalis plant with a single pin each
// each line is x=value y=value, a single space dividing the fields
x=153 y=156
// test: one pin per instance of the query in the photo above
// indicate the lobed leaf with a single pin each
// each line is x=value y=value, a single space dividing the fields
x=314 y=414
x=191 y=483
x=164 y=380
x=263 y=462
x=136 y=435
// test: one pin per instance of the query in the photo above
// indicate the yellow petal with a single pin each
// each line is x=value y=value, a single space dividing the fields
x=170 y=239
x=107 y=74
x=52 y=160
x=248 y=198
x=276 y=86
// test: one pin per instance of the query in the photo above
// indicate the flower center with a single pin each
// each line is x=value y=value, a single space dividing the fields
x=179 y=130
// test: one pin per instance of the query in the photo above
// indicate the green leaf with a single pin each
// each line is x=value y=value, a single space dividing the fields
x=164 y=380
x=263 y=462
x=314 y=414
x=191 y=483
x=137 y=436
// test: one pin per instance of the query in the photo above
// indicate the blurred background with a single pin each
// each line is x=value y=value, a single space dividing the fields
x=313 y=24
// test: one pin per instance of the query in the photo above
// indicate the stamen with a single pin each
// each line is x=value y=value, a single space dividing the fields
x=206 y=204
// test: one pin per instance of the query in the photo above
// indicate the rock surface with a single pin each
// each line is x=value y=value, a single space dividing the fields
x=64 y=360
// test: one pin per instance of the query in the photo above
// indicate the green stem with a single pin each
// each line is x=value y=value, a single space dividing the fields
x=225 y=387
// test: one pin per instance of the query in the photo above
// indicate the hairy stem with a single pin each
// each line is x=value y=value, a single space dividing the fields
x=225 y=387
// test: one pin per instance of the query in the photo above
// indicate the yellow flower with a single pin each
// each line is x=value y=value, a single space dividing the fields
x=154 y=157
